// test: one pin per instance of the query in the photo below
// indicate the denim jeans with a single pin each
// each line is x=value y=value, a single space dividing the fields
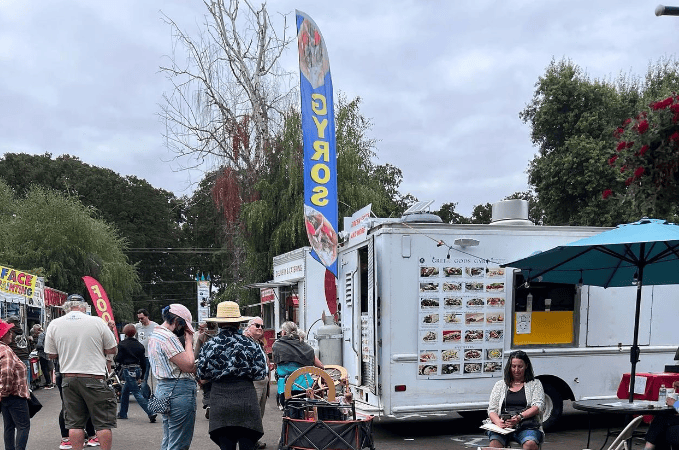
x=27 y=363
x=130 y=376
x=145 y=389
x=178 y=424
x=17 y=422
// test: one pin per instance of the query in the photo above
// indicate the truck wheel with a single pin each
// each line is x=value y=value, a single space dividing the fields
x=553 y=406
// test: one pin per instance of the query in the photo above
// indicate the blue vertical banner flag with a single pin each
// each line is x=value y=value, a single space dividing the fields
x=318 y=130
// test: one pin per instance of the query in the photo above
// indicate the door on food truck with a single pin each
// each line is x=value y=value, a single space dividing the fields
x=348 y=282
x=359 y=317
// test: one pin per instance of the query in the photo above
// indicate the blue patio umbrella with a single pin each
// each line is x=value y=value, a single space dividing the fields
x=639 y=253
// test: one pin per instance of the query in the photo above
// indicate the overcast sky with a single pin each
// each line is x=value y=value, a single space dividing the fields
x=442 y=81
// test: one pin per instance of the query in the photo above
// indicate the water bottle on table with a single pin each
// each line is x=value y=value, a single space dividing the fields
x=662 y=395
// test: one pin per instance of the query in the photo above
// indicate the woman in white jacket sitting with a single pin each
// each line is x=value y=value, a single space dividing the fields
x=517 y=402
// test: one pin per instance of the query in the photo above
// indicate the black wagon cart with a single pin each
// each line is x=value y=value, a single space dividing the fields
x=315 y=421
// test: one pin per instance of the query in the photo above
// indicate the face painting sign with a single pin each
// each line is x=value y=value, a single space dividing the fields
x=17 y=283
x=318 y=129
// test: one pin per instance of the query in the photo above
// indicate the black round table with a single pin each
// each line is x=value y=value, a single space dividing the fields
x=618 y=406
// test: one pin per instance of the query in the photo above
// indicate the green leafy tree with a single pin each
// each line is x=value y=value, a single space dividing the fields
x=481 y=214
x=274 y=223
x=644 y=157
x=448 y=214
x=572 y=118
x=147 y=217
x=59 y=237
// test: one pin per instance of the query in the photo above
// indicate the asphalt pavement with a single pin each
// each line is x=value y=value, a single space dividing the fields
x=448 y=431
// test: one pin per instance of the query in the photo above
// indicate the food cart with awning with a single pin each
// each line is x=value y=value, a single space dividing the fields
x=297 y=293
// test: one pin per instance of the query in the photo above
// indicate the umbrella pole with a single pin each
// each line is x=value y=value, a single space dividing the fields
x=634 y=351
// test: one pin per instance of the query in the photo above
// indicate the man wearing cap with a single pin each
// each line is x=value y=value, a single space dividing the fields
x=255 y=331
x=173 y=365
x=81 y=342
x=232 y=361
x=20 y=343
x=13 y=393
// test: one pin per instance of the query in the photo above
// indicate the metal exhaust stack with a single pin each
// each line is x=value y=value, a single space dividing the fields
x=510 y=212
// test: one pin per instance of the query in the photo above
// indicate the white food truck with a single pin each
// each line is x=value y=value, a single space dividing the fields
x=428 y=316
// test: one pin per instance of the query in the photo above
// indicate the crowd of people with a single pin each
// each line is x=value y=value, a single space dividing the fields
x=166 y=363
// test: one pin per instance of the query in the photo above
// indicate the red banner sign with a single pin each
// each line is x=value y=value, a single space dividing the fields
x=54 y=297
x=100 y=300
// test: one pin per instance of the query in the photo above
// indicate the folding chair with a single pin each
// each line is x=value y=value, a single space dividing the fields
x=620 y=442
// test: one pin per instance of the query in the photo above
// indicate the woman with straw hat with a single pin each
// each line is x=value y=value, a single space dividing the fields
x=231 y=361
x=14 y=393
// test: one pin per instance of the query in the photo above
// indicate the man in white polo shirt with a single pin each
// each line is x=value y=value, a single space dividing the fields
x=81 y=343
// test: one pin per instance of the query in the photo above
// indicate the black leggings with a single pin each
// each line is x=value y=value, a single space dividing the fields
x=664 y=431
x=228 y=437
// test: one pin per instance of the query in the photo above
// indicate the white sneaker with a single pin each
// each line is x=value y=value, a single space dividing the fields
x=65 y=444
x=94 y=442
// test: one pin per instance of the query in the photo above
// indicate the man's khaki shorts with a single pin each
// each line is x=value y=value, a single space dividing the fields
x=88 y=398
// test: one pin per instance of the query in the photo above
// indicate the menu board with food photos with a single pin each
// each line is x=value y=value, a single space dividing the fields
x=461 y=319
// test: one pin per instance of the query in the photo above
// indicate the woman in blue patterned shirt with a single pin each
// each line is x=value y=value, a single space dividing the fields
x=231 y=361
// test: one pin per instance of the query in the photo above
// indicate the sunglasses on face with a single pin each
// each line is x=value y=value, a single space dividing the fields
x=258 y=325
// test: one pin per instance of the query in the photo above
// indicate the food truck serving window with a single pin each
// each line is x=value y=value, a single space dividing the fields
x=544 y=313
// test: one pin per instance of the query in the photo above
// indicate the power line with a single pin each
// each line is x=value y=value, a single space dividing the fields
x=173 y=250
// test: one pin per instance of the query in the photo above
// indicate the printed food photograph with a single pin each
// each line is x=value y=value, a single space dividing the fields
x=495 y=287
x=428 y=356
x=449 y=355
x=495 y=318
x=429 y=287
x=452 y=287
x=452 y=271
x=494 y=353
x=472 y=367
x=473 y=335
x=474 y=286
x=429 y=337
x=321 y=234
x=429 y=302
x=428 y=370
x=452 y=302
x=430 y=318
x=448 y=369
x=494 y=335
x=475 y=271
x=472 y=354
x=429 y=271
x=495 y=302
x=495 y=272
x=492 y=366
x=452 y=318
x=452 y=335
x=471 y=318
x=475 y=302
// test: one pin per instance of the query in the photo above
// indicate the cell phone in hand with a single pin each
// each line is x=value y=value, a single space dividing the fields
x=505 y=417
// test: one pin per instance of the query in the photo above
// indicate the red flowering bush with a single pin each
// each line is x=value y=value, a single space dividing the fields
x=647 y=155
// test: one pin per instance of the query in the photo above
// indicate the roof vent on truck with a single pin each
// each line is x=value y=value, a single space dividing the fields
x=510 y=212
x=417 y=214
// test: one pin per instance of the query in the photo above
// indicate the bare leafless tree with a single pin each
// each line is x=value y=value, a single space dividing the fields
x=229 y=90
